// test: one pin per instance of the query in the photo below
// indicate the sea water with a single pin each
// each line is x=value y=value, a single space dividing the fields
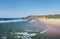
x=9 y=28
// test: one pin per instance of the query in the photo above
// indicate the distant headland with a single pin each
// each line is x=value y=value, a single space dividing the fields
x=53 y=16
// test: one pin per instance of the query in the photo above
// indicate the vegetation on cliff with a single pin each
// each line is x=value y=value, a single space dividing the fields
x=55 y=16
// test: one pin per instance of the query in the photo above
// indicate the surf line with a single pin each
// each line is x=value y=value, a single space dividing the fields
x=43 y=31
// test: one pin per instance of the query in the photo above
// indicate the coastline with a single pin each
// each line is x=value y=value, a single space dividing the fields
x=53 y=26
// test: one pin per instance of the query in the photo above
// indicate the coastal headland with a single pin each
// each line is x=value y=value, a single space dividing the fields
x=52 y=22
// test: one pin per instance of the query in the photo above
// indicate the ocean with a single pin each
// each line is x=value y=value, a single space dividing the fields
x=24 y=29
x=10 y=29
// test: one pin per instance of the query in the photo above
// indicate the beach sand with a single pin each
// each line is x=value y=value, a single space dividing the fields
x=51 y=22
x=53 y=26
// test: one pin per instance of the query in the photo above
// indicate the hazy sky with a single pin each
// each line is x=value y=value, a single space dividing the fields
x=21 y=8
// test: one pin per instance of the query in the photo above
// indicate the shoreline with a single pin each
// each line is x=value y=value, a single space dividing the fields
x=53 y=25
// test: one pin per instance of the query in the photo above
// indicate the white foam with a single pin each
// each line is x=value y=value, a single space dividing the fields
x=32 y=21
x=43 y=31
x=10 y=21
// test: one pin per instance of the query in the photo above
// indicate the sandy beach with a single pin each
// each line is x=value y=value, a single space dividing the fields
x=51 y=22
x=53 y=26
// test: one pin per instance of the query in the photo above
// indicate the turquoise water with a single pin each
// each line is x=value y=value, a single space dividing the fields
x=9 y=27
x=12 y=25
x=23 y=25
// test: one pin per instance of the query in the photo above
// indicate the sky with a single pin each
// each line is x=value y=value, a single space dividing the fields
x=23 y=8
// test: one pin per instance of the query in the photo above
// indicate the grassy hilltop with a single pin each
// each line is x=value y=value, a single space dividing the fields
x=55 y=16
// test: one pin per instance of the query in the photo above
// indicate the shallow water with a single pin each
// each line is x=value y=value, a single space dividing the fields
x=21 y=25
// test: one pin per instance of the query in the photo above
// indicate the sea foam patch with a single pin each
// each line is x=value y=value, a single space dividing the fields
x=13 y=20
x=32 y=21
